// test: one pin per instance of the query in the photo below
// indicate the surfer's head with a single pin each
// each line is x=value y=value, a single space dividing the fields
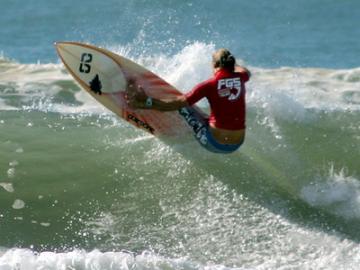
x=223 y=58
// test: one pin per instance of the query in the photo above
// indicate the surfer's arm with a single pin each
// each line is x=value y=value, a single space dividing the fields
x=169 y=105
x=243 y=70
x=137 y=98
x=157 y=104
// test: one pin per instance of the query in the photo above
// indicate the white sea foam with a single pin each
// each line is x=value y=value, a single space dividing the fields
x=18 y=204
x=7 y=186
x=323 y=256
x=32 y=73
x=311 y=88
x=5 y=107
x=24 y=259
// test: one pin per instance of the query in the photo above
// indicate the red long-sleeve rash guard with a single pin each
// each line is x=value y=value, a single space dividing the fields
x=226 y=95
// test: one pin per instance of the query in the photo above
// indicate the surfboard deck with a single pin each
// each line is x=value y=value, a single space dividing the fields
x=105 y=76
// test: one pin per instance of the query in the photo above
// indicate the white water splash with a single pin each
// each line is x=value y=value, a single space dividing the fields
x=337 y=192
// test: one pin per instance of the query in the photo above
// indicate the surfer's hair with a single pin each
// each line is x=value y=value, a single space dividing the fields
x=223 y=58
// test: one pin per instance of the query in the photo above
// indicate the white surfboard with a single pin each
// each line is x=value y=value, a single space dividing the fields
x=105 y=75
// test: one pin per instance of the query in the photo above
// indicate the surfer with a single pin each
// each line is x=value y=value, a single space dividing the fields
x=224 y=130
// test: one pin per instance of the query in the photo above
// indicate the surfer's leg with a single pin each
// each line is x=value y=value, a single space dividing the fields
x=200 y=127
x=195 y=120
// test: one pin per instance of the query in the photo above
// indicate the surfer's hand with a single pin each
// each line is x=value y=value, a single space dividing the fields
x=135 y=95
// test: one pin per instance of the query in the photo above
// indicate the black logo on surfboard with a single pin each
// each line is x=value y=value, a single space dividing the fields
x=95 y=85
x=86 y=59
x=140 y=123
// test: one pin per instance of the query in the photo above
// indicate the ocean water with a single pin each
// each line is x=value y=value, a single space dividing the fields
x=81 y=189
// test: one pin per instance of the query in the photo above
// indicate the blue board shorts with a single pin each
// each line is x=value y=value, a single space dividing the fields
x=202 y=133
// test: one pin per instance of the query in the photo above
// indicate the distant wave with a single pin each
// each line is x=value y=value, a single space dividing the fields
x=283 y=91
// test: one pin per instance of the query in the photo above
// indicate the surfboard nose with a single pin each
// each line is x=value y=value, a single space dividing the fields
x=96 y=69
x=58 y=43
x=59 y=46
